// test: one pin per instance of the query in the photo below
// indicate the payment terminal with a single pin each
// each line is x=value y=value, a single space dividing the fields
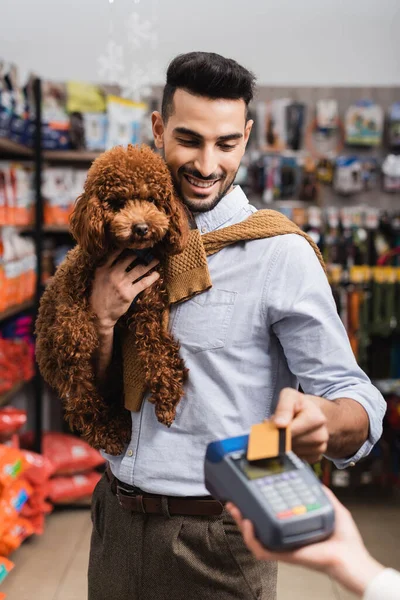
x=281 y=494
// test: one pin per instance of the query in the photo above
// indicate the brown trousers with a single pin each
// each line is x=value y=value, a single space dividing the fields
x=153 y=557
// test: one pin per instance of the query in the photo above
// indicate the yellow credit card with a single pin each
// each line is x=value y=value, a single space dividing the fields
x=267 y=440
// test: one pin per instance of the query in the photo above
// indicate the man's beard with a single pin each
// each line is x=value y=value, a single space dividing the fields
x=197 y=206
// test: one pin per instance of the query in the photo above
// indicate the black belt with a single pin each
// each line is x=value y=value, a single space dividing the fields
x=135 y=500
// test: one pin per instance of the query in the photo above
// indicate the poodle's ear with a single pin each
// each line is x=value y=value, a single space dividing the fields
x=178 y=230
x=87 y=225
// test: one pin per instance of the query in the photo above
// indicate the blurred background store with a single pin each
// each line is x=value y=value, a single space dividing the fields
x=77 y=78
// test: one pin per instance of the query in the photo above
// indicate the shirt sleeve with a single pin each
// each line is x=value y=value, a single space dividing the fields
x=301 y=310
x=385 y=586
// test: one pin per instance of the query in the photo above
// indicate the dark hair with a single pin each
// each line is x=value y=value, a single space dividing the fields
x=209 y=75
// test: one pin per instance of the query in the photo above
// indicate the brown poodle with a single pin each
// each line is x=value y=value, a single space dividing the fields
x=128 y=203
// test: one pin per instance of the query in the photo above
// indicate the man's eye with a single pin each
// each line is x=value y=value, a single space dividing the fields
x=227 y=147
x=190 y=143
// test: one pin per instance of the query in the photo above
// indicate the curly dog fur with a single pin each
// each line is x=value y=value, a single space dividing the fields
x=124 y=188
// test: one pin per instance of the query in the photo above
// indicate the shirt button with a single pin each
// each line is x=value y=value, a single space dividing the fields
x=352 y=464
x=130 y=453
x=204 y=230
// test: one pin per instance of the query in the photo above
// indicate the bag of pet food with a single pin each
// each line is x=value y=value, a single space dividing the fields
x=124 y=121
x=13 y=537
x=37 y=522
x=12 y=465
x=12 y=500
x=5 y=567
x=67 y=453
x=36 y=504
x=11 y=421
x=70 y=455
x=38 y=469
x=63 y=490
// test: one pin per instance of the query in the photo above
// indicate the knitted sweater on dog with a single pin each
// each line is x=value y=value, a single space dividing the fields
x=186 y=275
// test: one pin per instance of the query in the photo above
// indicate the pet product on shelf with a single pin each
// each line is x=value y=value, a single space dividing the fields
x=55 y=119
x=272 y=124
x=391 y=173
x=5 y=567
x=394 y=126
x=124 y=121
x=295 y=118
x=95 y=131
x=309 y=185
x=325 y=170
x=364 y=124
x=327 y=115
x=348 y=177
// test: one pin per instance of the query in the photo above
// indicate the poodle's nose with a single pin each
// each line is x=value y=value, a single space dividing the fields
x=140 y=229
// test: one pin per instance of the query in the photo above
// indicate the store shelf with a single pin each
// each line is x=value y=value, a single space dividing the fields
x=56 y=228
x=5 y=398
x=16 y=227
x=46 y=229
x=14 y=310
x=70 y=156
x=9 y=147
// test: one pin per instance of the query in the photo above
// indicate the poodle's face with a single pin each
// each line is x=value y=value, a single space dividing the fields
x=135 y=218
x=128 y=202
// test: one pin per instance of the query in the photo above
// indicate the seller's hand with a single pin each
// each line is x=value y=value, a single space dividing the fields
x=307 y=423
x=115 y=288
x=343 y=556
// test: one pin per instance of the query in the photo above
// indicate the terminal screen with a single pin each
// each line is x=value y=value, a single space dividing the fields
x=267 y=466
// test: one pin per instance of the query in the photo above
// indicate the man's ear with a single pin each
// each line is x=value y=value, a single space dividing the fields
x=247 y=131
x=158 y=129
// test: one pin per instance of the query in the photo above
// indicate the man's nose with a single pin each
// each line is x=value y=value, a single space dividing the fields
x=206 y=163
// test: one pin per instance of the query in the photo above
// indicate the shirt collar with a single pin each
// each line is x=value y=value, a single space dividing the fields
x=225 y=210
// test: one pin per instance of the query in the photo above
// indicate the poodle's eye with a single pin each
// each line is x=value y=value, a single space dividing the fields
x=115 y=203
x=151 y=199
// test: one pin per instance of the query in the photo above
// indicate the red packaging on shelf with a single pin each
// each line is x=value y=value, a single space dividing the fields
x=37 y=504
x=15 y=535
x=5 y=567
x=12 y=465
x=65 y=489
x=68 y=454
x=12 y=500
x=11 y=420
x=38 y=468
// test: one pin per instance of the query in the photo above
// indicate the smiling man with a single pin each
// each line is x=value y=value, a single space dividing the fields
x=268 y=324
x=203 y=137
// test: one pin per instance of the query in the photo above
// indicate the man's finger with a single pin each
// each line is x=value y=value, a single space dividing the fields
x=140 y=270
x=122 y=262
x=290 y=402
x=307 y=422
x=112 y=259
x=145 y=282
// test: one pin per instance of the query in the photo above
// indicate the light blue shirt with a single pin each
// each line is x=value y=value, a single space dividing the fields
x=268 y=322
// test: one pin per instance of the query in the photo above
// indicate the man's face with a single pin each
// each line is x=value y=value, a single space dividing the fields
x=203 y=143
